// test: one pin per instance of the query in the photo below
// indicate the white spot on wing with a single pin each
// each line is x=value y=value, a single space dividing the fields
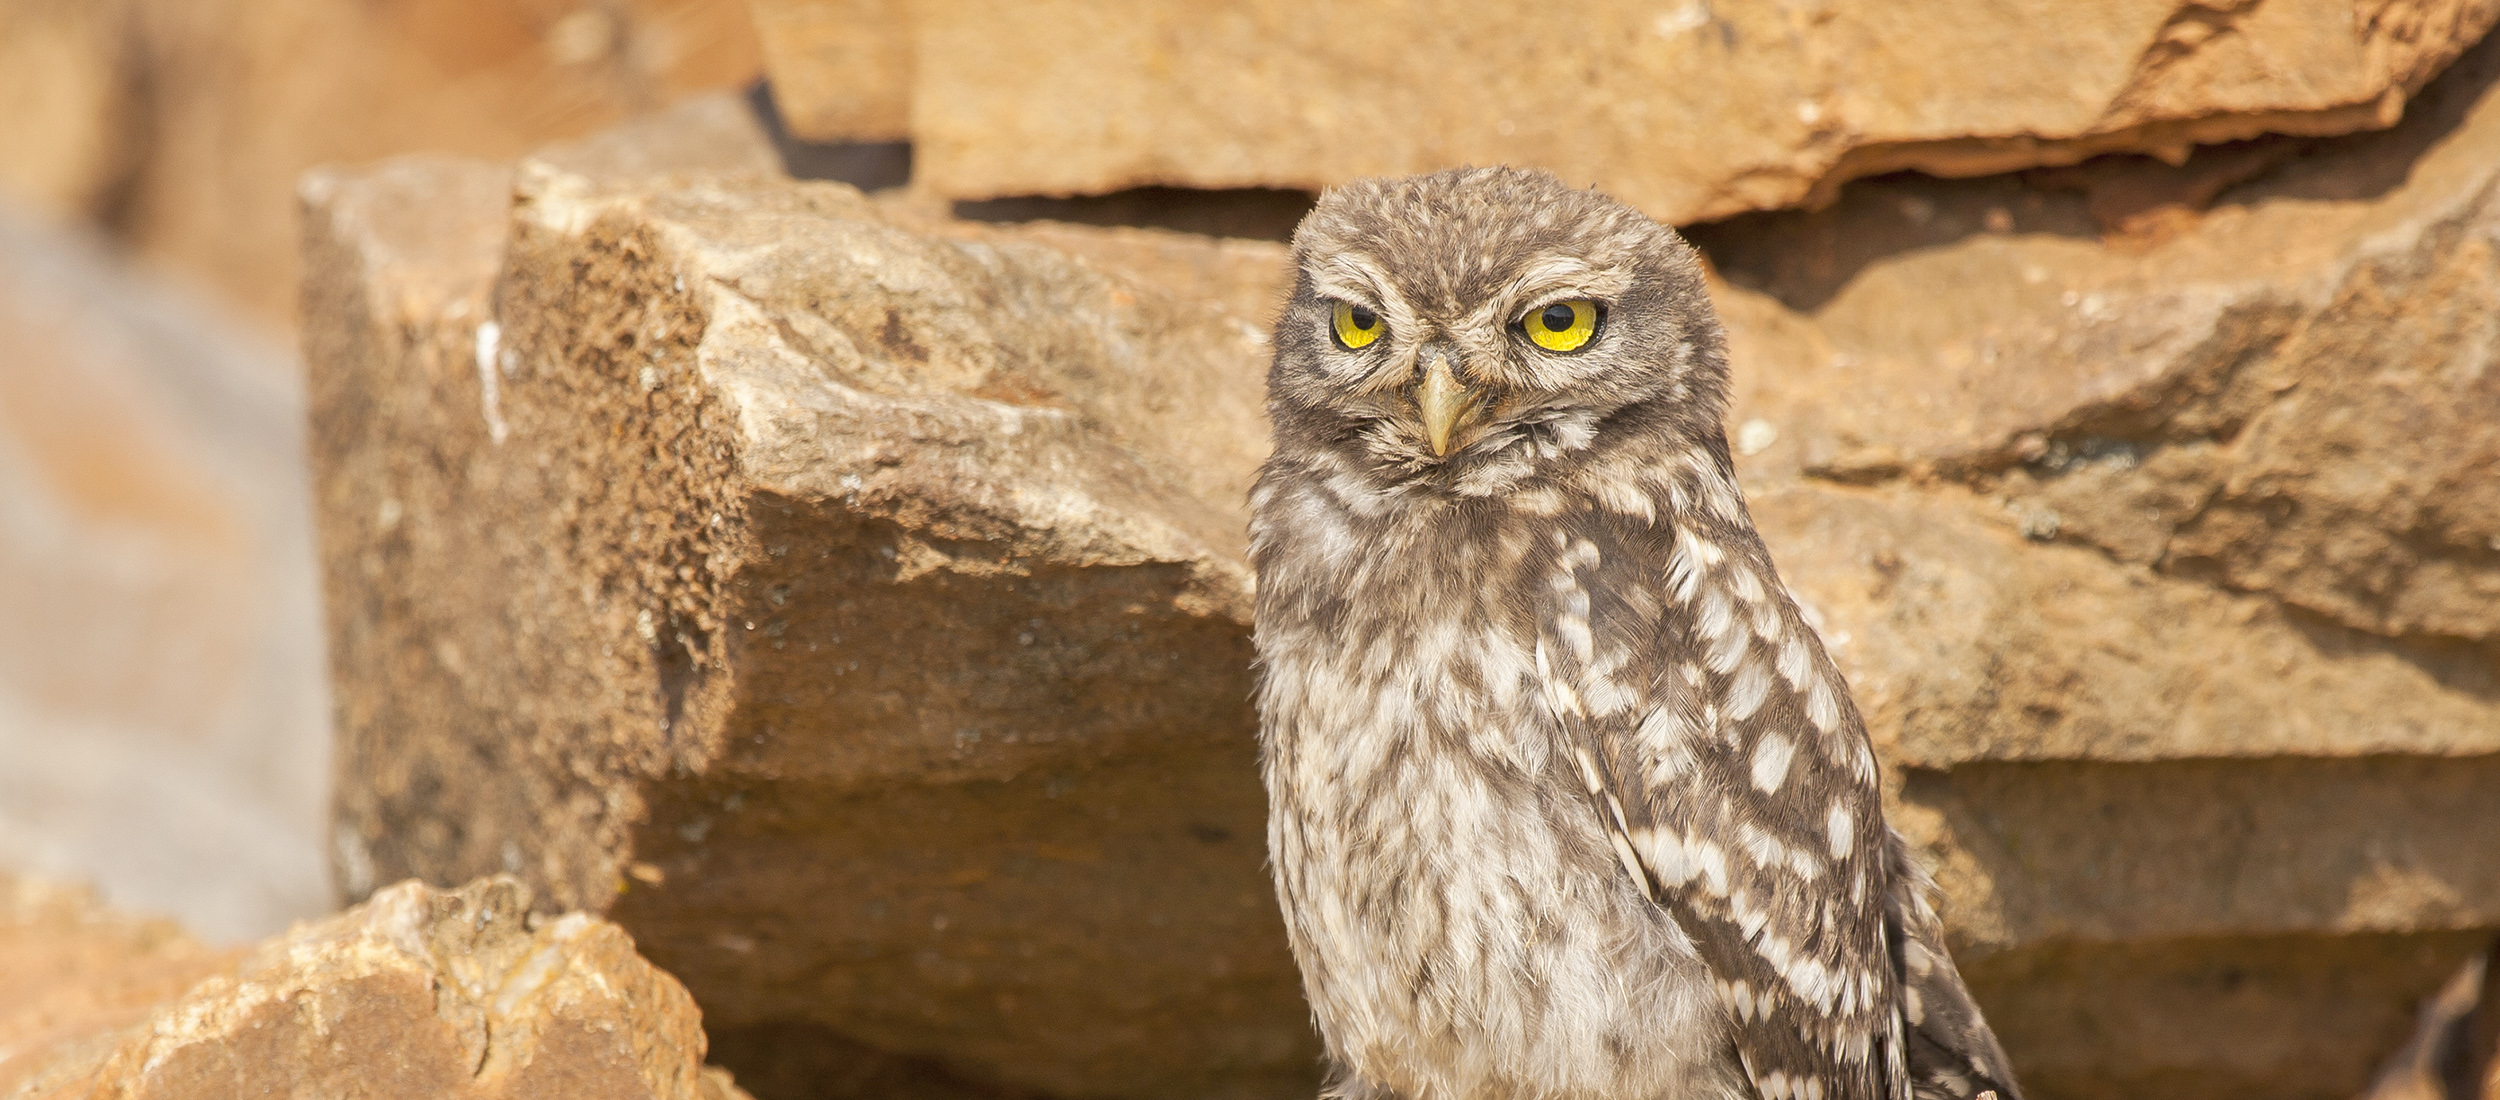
x=1795 y=662
x=1717 y=617
x=1746 y=693
x=1822 y=708
x=1729 y=652
x=1748 y=586
x=1770 y=762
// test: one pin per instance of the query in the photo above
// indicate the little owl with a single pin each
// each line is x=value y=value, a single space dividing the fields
x=1566 y=799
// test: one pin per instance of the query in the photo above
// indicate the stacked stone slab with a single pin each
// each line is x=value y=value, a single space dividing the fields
x=855 y=614
x=1690 y=109
x=850 y=604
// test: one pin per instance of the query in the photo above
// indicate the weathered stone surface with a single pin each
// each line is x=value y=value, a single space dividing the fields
x=182 y=124
x=1689 y=110
x=2243 y=1018
x=986 y=739
x=2193 y=844
x=866 y=608
x=2296 y=398
x=417 y=993
x=841 y=70
x=162 y=696
x=1968 y=646
x=2141 y=559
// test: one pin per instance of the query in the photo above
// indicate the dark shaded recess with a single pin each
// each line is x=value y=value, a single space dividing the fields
x=2087 y=997
x=2461 y=665
x=2129 y=837
x=2470 y=1044
x=781 y=896
x=867 y=165
x=1257 y=213
x=1805 y=257
x=800 y=911
x=2085 y=1018
x=798 y=1060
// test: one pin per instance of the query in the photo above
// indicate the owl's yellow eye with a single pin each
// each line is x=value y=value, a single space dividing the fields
x=1357 y=326
x=1562 y=326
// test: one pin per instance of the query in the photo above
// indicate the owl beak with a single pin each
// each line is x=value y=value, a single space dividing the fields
x=1445 y=402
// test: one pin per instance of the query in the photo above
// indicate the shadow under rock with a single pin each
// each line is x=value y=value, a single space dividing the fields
x=1255 y=213
x=797 y=1060
x=2462 y=665
x=867 y=165
x=2232 y=929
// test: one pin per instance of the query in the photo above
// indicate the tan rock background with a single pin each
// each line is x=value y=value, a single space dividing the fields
x=836 y=598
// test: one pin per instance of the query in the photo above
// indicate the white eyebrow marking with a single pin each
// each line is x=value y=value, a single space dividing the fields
x=1355 y=277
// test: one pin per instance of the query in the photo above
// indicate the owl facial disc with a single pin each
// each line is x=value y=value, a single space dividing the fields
x=1445 y=402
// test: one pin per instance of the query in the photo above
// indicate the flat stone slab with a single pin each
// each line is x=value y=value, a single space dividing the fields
x=1689 y=110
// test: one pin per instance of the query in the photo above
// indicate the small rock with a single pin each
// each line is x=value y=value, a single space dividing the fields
x=416 y=993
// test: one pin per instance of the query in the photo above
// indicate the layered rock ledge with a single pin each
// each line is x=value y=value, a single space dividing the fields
x=1690 y=110
x=850 y=605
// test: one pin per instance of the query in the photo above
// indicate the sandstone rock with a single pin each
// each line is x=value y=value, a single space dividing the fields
x=2295 y=398
x=1689 y=110
x=183 y=125
x=841 y=70
x=2143 y=561
x=2193 y=845
x=162 y=697
x=416 y=993
x=849 y=604
x=864 y=608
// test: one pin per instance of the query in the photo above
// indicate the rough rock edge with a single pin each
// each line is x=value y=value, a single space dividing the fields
x=499 y=974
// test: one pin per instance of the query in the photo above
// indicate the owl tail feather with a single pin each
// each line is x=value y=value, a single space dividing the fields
x=1952 y=1053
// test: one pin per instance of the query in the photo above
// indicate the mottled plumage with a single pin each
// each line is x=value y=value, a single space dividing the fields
x=1567 y=799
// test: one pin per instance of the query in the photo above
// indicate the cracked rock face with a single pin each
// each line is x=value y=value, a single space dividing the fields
x=849 y=604
x=854 y=613
x=416 y=993
x=1689 y=110
x=2163 y=573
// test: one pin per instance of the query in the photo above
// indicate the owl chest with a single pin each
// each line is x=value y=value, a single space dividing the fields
x=1449 y=889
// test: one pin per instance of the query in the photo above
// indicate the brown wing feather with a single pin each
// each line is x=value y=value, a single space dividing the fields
x=1722 y=748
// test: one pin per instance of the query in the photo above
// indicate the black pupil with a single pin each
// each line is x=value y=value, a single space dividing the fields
x=1557 y=318
x=1363 y=319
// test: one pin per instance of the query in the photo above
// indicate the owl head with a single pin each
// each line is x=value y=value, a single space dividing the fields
x=1472 y=330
